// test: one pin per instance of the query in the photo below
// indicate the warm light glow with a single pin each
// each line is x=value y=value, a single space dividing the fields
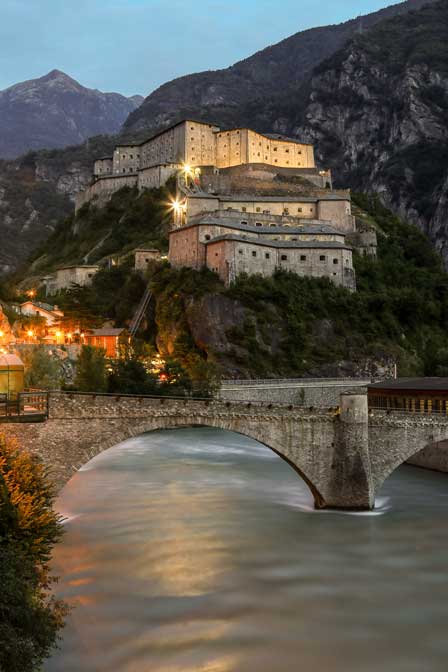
x=1 y=334
x=69 y=335
x=177 y=207
x=58 y=334
x=31 y=333
x=31 y=293
x=187 y=169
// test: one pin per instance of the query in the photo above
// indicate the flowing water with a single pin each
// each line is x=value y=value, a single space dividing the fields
x=198 y=550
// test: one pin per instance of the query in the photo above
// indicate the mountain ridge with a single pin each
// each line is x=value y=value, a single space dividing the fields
x=55 y=110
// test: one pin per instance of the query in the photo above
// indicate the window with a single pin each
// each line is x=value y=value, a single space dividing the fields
x=258 y=154
x=287 y=151
x=286 y=211
x=265 y=158
x=275 y=161
x=299 y=209
x=124 y=170
x=335 y=261
x=258 y=224
x=254 y=254
x=267 y=255
x=244 y=223
x=284 y=257
x=216 y=254
x=240 y=251
x=302 y=257
x=275 y=149
x=322 y=257
x=207 y=237
x=258 y=209
x=244 y=208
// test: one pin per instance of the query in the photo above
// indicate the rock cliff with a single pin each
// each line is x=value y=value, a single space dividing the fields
x=223 y=94
x=378 y=114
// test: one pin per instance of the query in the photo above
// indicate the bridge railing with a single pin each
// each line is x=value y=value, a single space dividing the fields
x=207 y=400
x=305 y=381
x=26 y=407
x=403 y=411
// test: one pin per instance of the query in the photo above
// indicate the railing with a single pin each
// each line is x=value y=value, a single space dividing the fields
x=403 y=411
x=299 y=381
x=27 y=407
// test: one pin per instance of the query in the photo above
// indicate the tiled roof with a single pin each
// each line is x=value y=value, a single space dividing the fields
x=309 y=244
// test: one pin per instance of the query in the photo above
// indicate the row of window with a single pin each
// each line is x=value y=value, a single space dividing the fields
x=284 y=257
x=286 y=211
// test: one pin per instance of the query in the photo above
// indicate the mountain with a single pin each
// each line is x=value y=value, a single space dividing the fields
x=56 y=111
x=219 y=95
x=37 y=189
x=378 y=113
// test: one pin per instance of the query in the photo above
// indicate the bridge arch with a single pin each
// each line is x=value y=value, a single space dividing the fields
x=147 y=427
x=394 y=440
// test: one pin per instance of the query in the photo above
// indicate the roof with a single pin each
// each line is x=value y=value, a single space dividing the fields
x=45 y=307
x=321 y=229
x=10 y=361
x=168 y=128
x=308 y=244
x=107 y=332
x=270 y=136
x=242 y=198
x=67 y=268
x=414 y=384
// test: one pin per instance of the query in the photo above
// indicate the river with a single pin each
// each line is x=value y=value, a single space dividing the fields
x=198 y=550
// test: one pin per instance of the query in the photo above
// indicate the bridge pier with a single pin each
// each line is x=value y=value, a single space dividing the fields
x=350 y=480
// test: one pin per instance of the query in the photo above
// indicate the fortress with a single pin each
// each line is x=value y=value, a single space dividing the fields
x=247 y=202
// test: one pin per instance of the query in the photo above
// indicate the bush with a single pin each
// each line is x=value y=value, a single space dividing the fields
x=30 y=618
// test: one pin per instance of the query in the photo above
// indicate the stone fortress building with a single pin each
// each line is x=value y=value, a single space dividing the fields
x=247 y=202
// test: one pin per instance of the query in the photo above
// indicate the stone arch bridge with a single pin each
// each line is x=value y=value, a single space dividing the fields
x=344 y=454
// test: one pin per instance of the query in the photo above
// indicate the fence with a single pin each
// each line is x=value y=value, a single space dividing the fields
x=30 y=406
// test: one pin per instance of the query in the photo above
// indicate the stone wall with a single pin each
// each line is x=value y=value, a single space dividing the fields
x=101 y=191
x=309 y=393
x=231 y=258
x=343 y=458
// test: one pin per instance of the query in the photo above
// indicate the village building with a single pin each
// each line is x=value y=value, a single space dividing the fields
x=108 y=339
x=67 y=277
x=51 y=314
x=143 y=257
x=417 y=395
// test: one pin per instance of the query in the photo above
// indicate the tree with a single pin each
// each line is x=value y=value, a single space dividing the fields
x=128 y=375
x=30 y=618
x=41 y=369
x=91 y=370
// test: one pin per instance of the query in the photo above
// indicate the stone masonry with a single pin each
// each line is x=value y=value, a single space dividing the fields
x=344 y=455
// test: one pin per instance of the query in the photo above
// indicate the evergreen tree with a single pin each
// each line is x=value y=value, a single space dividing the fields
x=91 y=375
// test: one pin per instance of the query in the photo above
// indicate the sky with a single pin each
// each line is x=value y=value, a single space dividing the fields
x=134 y=46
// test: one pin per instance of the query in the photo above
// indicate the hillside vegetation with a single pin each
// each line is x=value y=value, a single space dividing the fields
x=130 y=219
x=279 y=326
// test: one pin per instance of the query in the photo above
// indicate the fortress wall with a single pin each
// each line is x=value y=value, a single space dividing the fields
x=156 y=176
x=200 y=144
x=102 y=190
x=339 y=212
x=126 y=159
x=185 y=249
x=168 y=147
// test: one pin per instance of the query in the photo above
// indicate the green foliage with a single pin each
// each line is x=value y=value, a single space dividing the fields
x=30 y=617
x=42 y=371
x=129 y=219
x=91 y=375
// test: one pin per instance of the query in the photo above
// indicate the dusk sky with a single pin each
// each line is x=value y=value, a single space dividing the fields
x=133 y=46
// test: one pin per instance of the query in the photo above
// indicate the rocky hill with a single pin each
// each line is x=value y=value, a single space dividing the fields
x=378 y=113
x=56 y=111
x=392 y=69
x=221 y=95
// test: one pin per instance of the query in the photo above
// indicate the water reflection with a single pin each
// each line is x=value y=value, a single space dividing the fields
x=195 y=550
